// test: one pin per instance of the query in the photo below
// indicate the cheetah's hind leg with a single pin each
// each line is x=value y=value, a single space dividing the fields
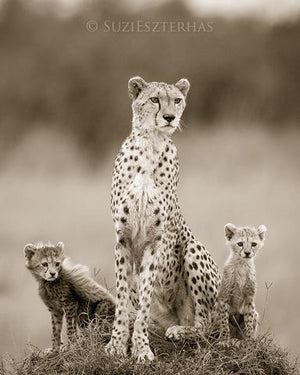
x=201 y=279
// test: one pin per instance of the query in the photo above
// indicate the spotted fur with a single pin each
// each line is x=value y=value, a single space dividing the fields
x=160 y=267
x=66 y=289
x=238 y=287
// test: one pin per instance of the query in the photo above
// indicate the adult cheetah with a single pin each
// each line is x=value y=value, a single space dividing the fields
x=166 y=273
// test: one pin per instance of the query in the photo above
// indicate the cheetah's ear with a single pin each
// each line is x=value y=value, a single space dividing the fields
x=229 y=229
x=29 y=251
x=135 y=86
x=261 y=230
x=183 y=85
x=60 y=246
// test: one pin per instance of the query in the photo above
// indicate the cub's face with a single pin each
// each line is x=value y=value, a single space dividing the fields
x=157 y=105
x=44 y=260
x=245 y=241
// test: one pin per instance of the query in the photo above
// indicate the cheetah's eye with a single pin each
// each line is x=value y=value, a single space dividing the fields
x=254 y=244
x=45 y=264
x=177 y=100
x=57 y=264
x=240 y=244
x=154 y=99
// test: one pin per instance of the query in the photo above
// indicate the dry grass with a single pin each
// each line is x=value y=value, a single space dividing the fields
x=87 y=356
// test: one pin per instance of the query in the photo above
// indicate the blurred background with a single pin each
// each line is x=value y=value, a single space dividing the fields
x=64 y=110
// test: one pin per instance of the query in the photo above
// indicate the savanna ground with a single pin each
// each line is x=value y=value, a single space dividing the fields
x=201 y=357
x=241 y=174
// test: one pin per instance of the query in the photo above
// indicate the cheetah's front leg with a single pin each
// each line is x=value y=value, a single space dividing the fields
x=223 y=320
x=56 y=320
x=118 y=343
x=251 y=319
x=140 y=340
x=71 y=318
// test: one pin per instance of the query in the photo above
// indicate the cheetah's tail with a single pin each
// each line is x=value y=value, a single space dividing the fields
x=79 y=276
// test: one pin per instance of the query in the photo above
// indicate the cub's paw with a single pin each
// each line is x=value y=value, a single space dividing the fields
x=236 y=343
x=226 y=343
x=229 y=342
x=65 y=347
x=50 y=352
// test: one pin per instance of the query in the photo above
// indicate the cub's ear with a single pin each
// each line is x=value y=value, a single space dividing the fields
x=229 y=229
x=135 y=86
x=261 y=230
x=60 y=246
x=29 y=251
x=183 y=85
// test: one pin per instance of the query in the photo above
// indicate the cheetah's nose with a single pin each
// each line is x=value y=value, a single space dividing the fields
x=169 y=118
x=247 y=253
x=52 y=274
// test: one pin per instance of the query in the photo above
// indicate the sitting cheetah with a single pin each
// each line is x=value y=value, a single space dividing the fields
x=238 y=285
x=66 y=289
x=160 y=267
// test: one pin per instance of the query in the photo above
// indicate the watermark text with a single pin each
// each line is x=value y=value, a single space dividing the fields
x=140 y=26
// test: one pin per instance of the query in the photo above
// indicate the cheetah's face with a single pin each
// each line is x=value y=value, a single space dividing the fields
x=245 y=241
x=44 y=260
x=157 y=105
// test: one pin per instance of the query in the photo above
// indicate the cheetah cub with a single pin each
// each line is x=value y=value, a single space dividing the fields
x=235 y=303
x=66 y=289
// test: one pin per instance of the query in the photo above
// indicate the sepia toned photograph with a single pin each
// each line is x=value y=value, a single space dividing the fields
x=149 y=187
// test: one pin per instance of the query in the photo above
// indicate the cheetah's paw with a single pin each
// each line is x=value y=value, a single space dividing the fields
x=116 y=349
x=175 y=332
x=143 y=355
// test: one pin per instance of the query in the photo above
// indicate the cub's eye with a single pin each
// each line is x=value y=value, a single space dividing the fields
x=154 y=99
x=57 y=264
x=240 y=244
x=254 y=244
x=45 y=264
x=177 y=100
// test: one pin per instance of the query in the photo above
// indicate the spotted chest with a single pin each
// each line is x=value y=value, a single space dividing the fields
x=144 y=183
x=242 y=286
x=56 y=293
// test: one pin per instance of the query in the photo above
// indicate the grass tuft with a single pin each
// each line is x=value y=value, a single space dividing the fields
x=203 y=357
